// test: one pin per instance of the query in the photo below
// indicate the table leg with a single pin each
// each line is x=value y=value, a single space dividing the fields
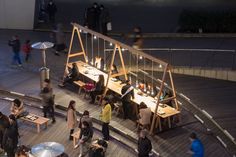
x=74 y=141
x=169 y=123
x=159 y=121
x=38 y=128
x=46 y=124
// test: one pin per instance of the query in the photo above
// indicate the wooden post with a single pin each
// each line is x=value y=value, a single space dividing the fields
x=173 y=89
x=109 y=73
x=81 y=44
x=158 y=100
x=70 y=47
x=122 y=63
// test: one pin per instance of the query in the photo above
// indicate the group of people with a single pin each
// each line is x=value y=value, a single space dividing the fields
x=16 y=48
x=97 y=18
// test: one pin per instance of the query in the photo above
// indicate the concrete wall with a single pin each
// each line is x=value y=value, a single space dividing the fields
x=17 y=14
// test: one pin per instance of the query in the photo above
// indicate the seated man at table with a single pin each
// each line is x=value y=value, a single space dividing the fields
x=72 y=76
x=98 y=90
x=145 y=114
x=17 y=108
x=127 y=92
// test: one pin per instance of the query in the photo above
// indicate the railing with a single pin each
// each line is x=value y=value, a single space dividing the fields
x=203 y=58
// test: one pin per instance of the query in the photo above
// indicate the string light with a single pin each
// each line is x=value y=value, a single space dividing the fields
x=160 y=66
x=94 y=37
x=122 y=49
x=140 y=57
x=110 y=44
x=80 y=30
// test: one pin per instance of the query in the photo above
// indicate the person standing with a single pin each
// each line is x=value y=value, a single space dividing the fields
x=104 y=19
x=26 y=48
x=138 y=38
x=4 y=123
x=127 y=92
x=106 y=118
x=145 y=114
x=60 y=40
x=48 y=103
x=15 y=44
x=71 y=118
x=51 y=9
x=144 y=144
x=87 y=118
x=10 y=138
x=196 y=149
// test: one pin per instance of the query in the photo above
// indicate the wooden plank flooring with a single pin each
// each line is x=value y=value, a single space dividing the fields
x=58 y=132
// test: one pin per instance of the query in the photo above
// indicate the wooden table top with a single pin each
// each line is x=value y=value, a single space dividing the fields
x=116 y=86
x=40 y=120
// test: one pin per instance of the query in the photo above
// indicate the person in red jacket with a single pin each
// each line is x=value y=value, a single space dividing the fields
x=26 y=49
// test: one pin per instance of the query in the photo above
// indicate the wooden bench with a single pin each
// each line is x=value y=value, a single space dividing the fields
x=80 y=84
x=76 y=136
x=37 y=120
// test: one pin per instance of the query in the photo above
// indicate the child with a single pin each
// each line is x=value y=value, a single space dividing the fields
x=26 y=49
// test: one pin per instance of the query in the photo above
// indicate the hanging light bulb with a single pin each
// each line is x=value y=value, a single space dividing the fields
x=110 y=44
x=80 y=30
x=152 y=93
x=160 y=66
x=137 y=84
x=122 y=49
x=91 y=61
x=140 y=57
x=94 y=37
x=105 y=67
x=145 y=88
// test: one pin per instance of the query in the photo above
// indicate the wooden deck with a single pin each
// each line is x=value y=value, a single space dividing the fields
x=58 y=132
x=170 y=143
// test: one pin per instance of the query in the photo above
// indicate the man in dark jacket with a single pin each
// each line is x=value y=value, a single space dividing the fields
x=51 y=9
x=72 y=76
x=4 y=123
x=10 y=138
x=104 y=18
x=15 y=44
x=127 y=92
x=144 y=144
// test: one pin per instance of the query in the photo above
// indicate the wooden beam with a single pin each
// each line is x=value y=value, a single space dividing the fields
x=122 y=63
x=158 y=100
x=81 y=44
x=173 y=89
x=70 y=47
x=75 y=54
x=109 y=73
x=129 y=48
x=119 y=74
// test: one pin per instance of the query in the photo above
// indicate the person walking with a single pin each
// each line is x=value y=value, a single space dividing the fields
x=197 y=148
x=4 y=123
x=87 y=118
x=10 y=138
x=15 y=44
x=60 y=40
x=48 y=103
x=106 y=118
x=26 y=48
x=51 y=9
x=138 y=38
x=127 y=92
x=104 y=19
x=71 y=118
x=144 y=144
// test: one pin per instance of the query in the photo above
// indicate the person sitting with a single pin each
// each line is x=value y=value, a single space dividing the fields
x=98 y=148
x=17 y=108
x=85 y=136
x=98 y=90
x=145 y=114
x=99 y=62
x=114 y=70
x=72 y=76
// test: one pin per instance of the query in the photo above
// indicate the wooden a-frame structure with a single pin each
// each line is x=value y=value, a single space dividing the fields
x=78 y=29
